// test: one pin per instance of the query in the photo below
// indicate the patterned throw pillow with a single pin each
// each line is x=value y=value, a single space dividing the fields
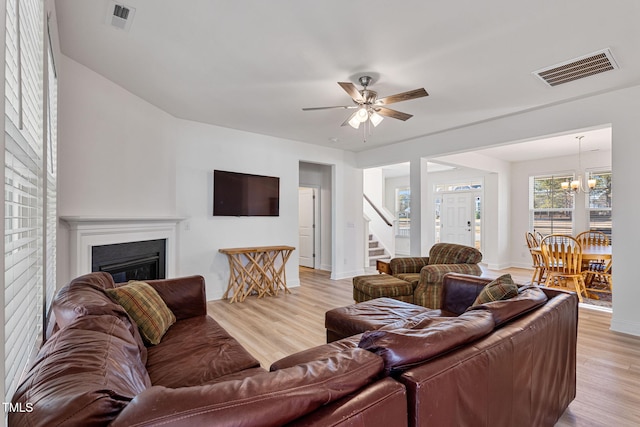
x=146 y=308
x=500 y=289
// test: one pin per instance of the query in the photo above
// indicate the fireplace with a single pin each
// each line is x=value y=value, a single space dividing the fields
x=144 y=260
x=87 y=233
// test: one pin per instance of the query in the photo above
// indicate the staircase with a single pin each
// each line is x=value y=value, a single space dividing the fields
x=376 y=251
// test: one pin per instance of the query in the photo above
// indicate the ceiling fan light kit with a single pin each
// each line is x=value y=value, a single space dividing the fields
x=370 y=109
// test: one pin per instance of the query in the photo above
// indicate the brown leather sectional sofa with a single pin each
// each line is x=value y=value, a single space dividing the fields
x=95 y=370
x=503 y=363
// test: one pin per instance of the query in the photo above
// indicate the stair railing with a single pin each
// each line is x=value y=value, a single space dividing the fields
x=380 y=225
x=378 y=211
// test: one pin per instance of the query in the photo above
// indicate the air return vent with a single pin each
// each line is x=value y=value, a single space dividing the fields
x=574 y=69
x=119 y=15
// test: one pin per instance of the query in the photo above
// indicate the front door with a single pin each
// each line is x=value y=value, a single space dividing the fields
x=457 y=221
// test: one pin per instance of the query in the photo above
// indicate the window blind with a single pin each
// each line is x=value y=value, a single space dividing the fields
x=51 y=168
x=24 y=187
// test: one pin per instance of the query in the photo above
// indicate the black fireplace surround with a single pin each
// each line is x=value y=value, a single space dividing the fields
x=144 y=260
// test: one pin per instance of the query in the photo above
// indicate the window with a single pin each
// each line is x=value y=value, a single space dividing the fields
x=600 y=199
x=550 y=207
x=403 y=211
x=29 y=176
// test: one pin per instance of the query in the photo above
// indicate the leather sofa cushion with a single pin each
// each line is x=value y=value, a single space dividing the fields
x=527 y=299
x=276 y=398
x=185 y=296
x=369 y=315
x=86 y=296
x=323 y=351
x=85 y=374
x=196 y=351
x=425 y=337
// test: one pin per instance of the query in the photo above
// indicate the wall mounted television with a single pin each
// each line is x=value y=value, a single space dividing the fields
x=241 y=194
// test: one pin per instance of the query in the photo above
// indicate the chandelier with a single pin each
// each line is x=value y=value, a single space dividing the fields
x=578 y=184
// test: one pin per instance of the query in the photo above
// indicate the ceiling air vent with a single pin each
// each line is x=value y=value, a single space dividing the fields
x=574 y=69
x=119 y=15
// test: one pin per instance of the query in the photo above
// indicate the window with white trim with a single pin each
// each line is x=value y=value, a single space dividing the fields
x=25 y=177
x=600 y=202
x=551 y=208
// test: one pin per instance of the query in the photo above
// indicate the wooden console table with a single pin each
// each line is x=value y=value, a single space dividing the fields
x=256 y=270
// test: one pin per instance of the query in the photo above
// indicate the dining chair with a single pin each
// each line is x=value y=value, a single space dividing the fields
x=596 y=271
x=563 y=260
x=532 y=242
x=539 y=275
x=592 y=238
x=539 y=236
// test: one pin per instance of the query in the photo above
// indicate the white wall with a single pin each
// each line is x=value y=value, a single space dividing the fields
x=620 y=110
x=120 y=156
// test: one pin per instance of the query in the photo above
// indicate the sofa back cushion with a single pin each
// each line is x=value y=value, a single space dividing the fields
x=86 y=296
x=425 y=337
x=85 y=374
x=451 y=253
x=407 y=265
x=270 y=398
x=528 y=298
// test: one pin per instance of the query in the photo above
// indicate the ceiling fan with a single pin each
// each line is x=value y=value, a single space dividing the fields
x=367 y=105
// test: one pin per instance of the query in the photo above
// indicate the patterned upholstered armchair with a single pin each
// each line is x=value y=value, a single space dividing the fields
x=426 y=273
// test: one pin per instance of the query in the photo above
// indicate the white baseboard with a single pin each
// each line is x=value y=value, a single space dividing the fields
x=625 y=327
x=346 y=274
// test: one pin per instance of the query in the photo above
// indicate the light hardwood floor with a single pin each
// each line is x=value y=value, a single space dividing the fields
x=608 y=363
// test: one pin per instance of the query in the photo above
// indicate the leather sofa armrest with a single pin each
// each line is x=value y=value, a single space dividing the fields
x=279 y=397
x=429 y=287
x=407 y=264
x=459 y=291
x=185 y=296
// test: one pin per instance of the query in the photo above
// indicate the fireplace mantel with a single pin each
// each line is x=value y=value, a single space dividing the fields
x=89 y=231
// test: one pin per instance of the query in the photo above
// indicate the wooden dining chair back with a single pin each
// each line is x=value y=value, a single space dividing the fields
x=597 y=272
x=563 y=262
x=539 y=275
x=593 y=238
x=539 y=236
x=532 y=242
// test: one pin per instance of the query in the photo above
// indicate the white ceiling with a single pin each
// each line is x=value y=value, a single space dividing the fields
x=252 y=65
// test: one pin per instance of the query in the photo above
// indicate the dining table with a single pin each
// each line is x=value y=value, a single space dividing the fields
x=590 y=253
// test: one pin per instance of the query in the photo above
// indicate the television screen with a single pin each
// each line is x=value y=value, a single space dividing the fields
x=241 y=194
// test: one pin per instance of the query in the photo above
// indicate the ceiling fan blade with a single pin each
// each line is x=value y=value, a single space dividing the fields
x=346 y=122
x=344 y=107
x=404 y=96
x=388 y=112
x=352 y=90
